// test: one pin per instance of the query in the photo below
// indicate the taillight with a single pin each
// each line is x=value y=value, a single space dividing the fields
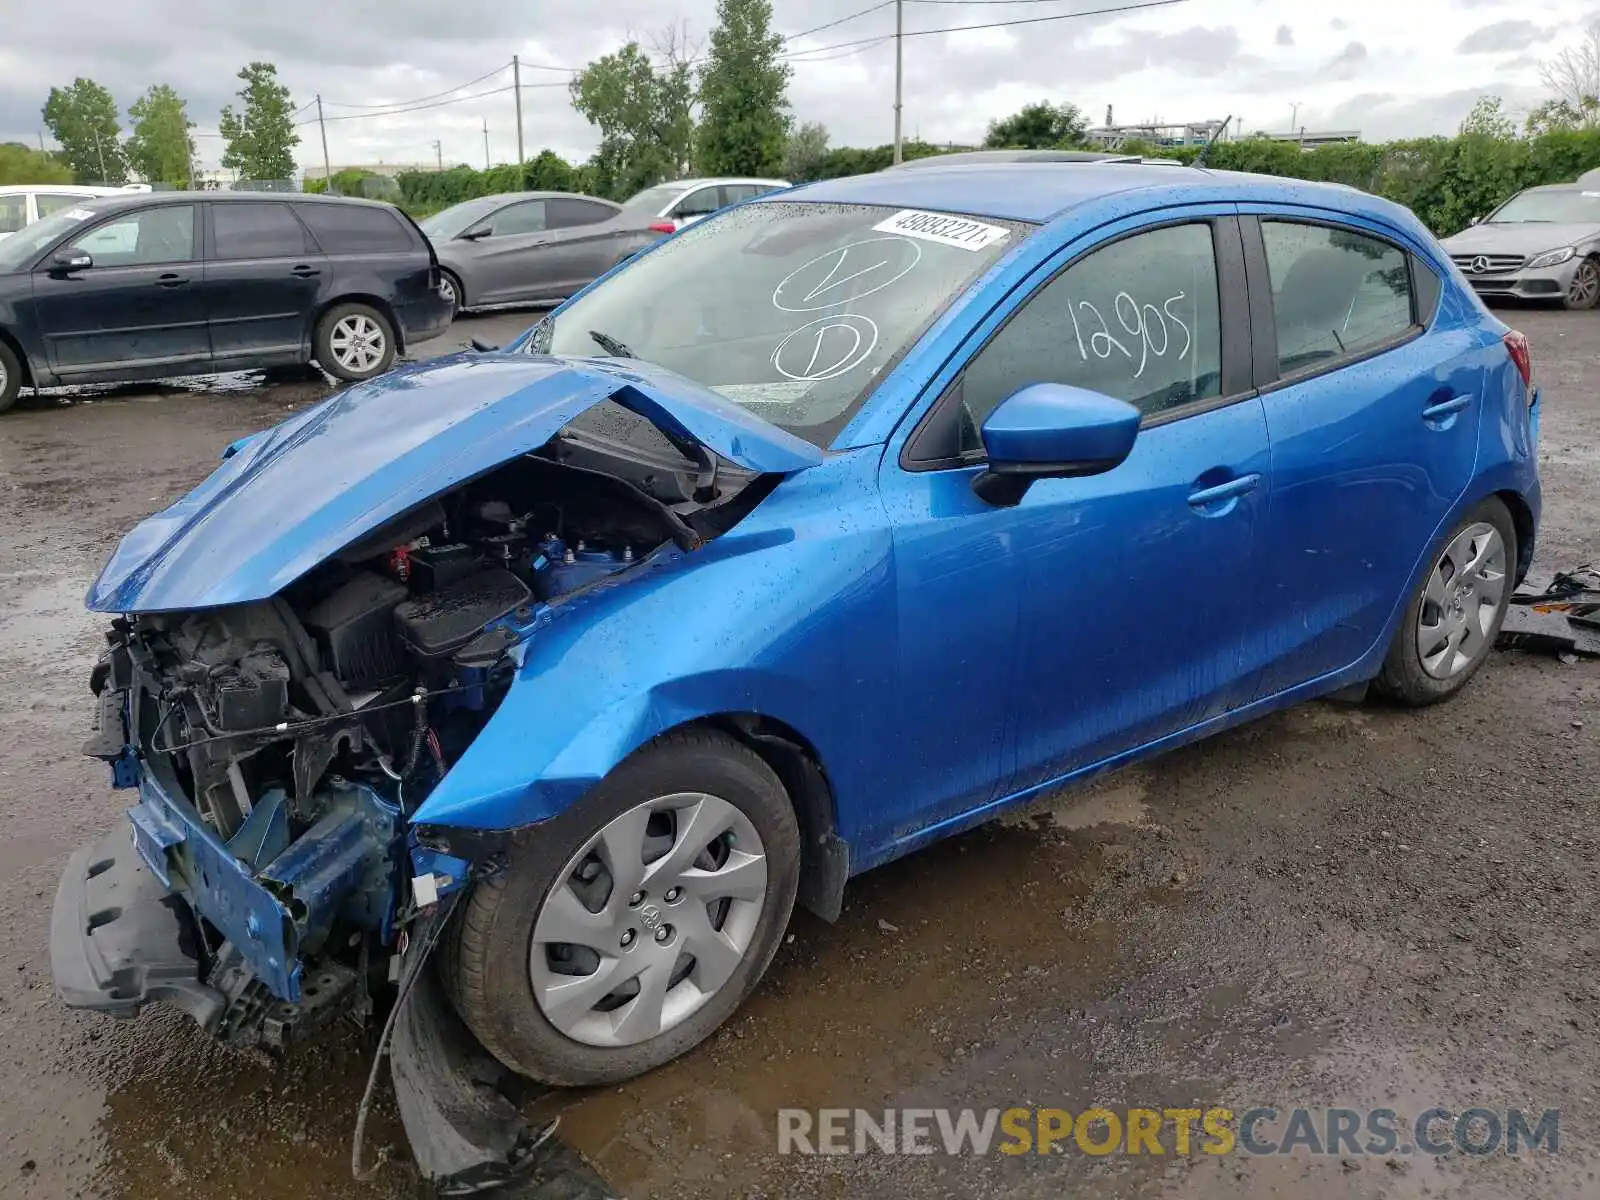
x=663 y=227
x=1517 y=347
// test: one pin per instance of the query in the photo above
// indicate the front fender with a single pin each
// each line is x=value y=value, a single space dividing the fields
x=788 y=616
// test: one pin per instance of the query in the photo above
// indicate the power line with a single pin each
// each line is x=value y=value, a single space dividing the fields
x=1093 y=12
x=790 y=37
x=395 y=112
x=422 y=99
x=797 y=55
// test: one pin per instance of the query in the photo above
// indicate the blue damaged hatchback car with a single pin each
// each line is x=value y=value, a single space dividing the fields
x=837 y=523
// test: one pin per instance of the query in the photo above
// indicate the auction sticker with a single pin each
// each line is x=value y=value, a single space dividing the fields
x=961 y=232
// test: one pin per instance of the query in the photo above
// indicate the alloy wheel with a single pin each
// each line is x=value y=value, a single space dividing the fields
x=649 y=920
x=447 y=289
x=5 y=379
x=1585 y=287
x=1463 y=595
x=357 y=343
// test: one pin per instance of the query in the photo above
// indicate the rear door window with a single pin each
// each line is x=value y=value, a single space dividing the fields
x=13 y=213
x=699 y=203
x=563 y=213
x=357 y=228
x=1335 y=292
x=1138 y=320
x=257 y=231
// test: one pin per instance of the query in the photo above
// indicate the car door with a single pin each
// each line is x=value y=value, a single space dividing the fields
x=1373 y=417
x=583 y=243
x=264 y=278
x=1107 y=612
x=139 y=312
x=505 y=251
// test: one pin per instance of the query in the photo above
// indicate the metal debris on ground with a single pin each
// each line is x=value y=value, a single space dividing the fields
x=1556 y=613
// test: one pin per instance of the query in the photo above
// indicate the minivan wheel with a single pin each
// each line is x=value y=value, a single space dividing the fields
x=10 y=377
x=622 y=933
x=1584 y=290
x=355 y=342
x=1450 y=626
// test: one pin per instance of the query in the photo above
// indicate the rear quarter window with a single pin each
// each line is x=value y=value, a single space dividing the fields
x=357 y=229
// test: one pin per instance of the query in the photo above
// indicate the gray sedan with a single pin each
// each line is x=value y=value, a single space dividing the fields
x=530 y=247
x=1542 y=244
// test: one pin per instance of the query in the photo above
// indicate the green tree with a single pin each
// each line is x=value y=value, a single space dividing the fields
x=643 y=116
x=1041 y=126
x=160 y=148
x=1488 y=119
x=261 y=140
x=24 y=164
x=83 y=118
x=744 y=102
x=805 y=152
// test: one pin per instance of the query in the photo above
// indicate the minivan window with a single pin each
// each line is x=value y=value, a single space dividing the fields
x=13 y=213
x=250 y=230
x=1335 y=292
x=1137 y=320
x=53 y=202
x=356 y=228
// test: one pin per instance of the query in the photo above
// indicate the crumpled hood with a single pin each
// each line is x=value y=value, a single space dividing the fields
x=288 y=498
x=1526 y=238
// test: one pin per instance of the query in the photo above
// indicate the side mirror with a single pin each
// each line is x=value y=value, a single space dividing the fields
x=67 y=261
x=1052 y=431
x=473 y=235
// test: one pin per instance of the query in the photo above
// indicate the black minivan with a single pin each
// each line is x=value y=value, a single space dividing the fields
x=156 y=285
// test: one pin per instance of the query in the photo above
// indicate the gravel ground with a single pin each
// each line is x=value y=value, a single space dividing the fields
x=1335 y=906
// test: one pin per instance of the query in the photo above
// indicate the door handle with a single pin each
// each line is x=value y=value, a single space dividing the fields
x=1438 y=414
x=171 y=280
x=304 y=272
x=1218 y=499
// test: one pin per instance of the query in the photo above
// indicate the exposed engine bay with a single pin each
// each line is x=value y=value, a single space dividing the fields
x=280 y=745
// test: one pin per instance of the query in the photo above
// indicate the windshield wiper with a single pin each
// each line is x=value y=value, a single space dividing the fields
x=611 y=346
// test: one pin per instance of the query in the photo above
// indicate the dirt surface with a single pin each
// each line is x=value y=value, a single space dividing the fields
x=1336 y=906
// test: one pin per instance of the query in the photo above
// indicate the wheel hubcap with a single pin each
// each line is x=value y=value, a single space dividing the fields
x=447 y=289
x=5 y=379
x=649 y=920
x=1461 y=600
x=358 y=343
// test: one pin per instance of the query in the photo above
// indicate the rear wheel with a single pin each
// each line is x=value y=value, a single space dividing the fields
x=1584 y=290
x=1450 y=626
x=10 y=377
x=622 y=933
x=355 y=342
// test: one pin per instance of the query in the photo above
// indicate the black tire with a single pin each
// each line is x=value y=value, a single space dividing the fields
x=1584 y=291
x=1403 y=677
x=10 y=377
x=454 y=281
x=486 y=958
x=328 y=360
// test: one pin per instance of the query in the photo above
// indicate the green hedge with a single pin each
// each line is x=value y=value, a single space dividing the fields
x=548 y=171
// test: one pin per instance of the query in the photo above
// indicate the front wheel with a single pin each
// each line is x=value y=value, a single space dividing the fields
x=1584 y=290
x=1450 y=626
x=10 y=377
x=624 y=932
x=355 y=342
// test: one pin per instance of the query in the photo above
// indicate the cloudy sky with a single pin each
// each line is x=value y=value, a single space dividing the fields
x=1389 y=69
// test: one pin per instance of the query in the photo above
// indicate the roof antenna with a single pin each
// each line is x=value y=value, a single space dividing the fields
x=1200 y=159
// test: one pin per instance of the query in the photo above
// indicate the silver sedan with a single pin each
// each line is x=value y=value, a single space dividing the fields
x=530 y=247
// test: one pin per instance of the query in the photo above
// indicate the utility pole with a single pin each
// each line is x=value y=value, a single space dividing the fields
x=486 y=143
x=102 y=155
x=41 y=141
x=438 y=150
x=327 y=170
x=516 y=87
x=899 y=12
x=1294 y=115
